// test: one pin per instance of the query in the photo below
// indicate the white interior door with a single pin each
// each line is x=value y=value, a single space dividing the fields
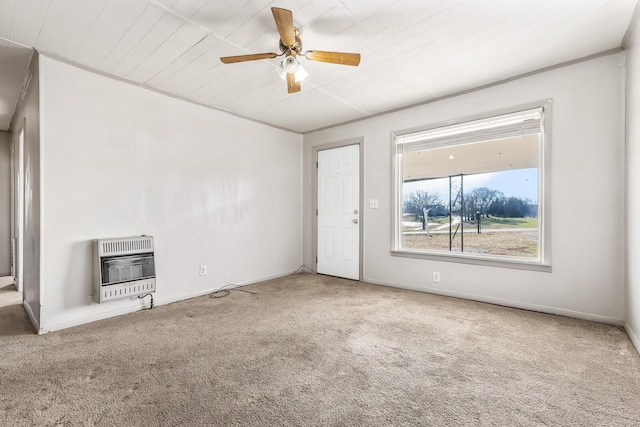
x=339 y=212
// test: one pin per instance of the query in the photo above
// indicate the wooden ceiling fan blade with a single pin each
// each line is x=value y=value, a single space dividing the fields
x=284 y=22
x=342 y=58
x=244 y=58
x=292 y=85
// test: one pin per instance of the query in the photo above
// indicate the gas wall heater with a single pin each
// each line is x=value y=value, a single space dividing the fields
x=124 y=268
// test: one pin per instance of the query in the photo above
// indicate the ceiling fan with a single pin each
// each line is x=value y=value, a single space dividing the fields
x=291 y=47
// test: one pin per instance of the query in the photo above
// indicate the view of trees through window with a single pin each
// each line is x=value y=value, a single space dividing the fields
x=493 y=213
x=472 y=187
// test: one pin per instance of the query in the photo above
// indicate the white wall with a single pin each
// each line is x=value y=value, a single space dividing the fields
x=118 y=160
x=633 y=183
x=5 y=204
x=587 y=195
x=27 y=115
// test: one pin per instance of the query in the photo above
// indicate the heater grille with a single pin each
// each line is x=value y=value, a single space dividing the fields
x=126 y=246
x=129 y=289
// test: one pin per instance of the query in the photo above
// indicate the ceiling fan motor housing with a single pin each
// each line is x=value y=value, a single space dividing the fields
x=296 y=47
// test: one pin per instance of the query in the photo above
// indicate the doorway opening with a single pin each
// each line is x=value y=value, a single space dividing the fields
x=11 y=287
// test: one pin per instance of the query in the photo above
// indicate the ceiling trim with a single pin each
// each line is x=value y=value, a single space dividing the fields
x=475 y=89
x=16 y=43
x=632 y=26
x=159 y=91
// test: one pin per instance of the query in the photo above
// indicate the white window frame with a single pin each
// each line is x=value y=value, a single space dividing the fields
x=543 y=262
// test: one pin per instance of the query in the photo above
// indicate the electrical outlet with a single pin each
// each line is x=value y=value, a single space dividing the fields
x=203 y=270
x=436 y=277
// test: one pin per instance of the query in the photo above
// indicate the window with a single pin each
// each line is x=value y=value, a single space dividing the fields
x=473 y=190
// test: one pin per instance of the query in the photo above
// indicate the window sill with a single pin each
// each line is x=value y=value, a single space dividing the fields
x=474 y=259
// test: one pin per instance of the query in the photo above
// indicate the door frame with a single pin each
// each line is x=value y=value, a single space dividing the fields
x=314 y=200
x=17 y=202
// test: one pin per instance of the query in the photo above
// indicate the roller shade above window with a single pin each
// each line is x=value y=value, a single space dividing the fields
x=499 y=127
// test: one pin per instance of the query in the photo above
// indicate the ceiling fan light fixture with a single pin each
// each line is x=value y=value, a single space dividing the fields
x=301 y=74
x=281 y=73
x=290 y=64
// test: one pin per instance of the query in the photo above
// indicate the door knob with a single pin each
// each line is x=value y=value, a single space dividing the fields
x=355 y=221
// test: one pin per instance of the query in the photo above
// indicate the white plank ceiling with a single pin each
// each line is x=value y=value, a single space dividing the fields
x=412 y=50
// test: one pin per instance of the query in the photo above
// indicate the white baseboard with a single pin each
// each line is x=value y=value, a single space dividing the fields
x=92 y=318
x=632 y=336
x=140 y=304
x=505 y=302
x=172 y=299
x=32 y=317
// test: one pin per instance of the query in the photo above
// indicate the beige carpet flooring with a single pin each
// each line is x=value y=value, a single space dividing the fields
x=13 y=319
x=8 y=293
x=315 y=350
